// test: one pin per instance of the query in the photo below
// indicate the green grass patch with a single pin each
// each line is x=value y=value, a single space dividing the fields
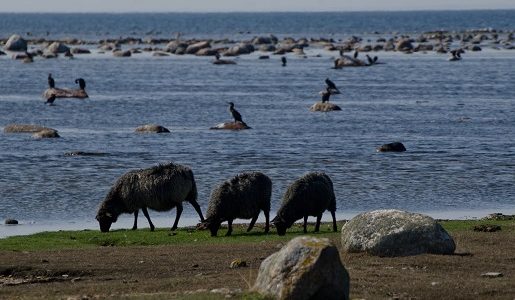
x=57 y=240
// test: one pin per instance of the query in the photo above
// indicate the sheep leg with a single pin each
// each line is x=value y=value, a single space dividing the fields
x=229 y=231
x=334 y=221
x=135 y=226
x=305 y=224
x=267 y=221
x=177 y=217
x=252 y=222
x=145 y=212
x=196 y=206
x=317 y=226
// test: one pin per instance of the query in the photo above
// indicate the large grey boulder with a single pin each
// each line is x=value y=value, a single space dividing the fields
x=242 y=48
x=395 y=233
x=306 y=268
x=194 y=48
x=16 y=43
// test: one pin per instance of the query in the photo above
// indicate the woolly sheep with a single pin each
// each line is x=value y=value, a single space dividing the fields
x=242 y=196
x=309 y=195
x=161 y=188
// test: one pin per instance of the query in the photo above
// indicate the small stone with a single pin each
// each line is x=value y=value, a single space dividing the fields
x=11 y=222
x=194 y=266
x=492 y=274
x=238 y=263
x=44 y=261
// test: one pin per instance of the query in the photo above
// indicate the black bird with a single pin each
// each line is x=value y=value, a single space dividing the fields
x=356 y=54
x=234 y=113
x=51 y=82
x=81 y=82
x=50 y=100
x=283 y=60
x=217 y=56
x=370 y=60
x=331 y=87
x=325 y=95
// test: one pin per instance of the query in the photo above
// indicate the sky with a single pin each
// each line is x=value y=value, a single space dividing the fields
x=245 y=5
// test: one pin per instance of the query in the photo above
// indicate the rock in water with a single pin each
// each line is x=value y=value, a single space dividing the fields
x=391 y=147
x=46 y=134
x=395 y=233
x=24 y=128
x=306 y=268
x=231 y=126
x=16 y=43
x=152 y=129
x=11 y=222
x=324 y=106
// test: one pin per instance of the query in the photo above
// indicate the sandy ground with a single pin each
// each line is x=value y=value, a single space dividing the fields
x=172 y=271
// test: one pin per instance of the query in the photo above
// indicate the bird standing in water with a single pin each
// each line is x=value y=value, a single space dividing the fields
x=235 y=114
x=283 y=60
x=331 y=87
x=51 y=81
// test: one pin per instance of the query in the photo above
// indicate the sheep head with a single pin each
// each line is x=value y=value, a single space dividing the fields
x=280 y=224
x=105 y=219
x=210 y=224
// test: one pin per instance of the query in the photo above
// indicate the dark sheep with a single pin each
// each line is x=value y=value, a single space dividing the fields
x=243 y=197
x=309 y=195
x=161 y=188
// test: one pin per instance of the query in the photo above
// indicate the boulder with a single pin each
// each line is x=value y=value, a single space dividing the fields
x=305 y=268
x=80 y=51
x=65 y=93
x=11 y=222
x=267 y=48
x=16 y=43
x=57 y=47
x=231 y=126
x=260 y=40
x=49 y=55
x=23 y=128
x=404 y=45
x=395 y=233
x=347 y=61
x=2 y=53
x=391 y=147
x=324 y=106
x=46 y=134
x=174 y=45
x=206 y=52
x=120 y=53
x=194 y=48
x=152 y=128
x=158 y=54
x=239 y=49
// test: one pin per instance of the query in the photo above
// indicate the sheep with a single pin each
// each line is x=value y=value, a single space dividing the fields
x=242 y=196
x=161 y=188
x=309 y=195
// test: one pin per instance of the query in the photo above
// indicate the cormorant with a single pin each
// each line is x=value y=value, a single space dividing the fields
x=331 y=87
x=50 y=99
x=325 y=95
x=370 y=60
x=456 y=54
x=81 y=82
x=51 y=82
x=283 y=60
x=217 y=56
x=235 y=114
x=356 y=53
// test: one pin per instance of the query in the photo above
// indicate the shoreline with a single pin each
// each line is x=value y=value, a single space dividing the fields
x=163 y=220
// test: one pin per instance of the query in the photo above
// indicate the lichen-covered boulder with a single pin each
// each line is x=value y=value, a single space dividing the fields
x=23 y=128
x=46 y=134
x=57 y=47
x=391 y=147
x=306 y=268
x=194 y=48
x=16 y=43
x=231 y=126
x=152 y=128
x=404 y=45
x=395 y=233
x=65 y=93
x=324 y=106
x=347 y=61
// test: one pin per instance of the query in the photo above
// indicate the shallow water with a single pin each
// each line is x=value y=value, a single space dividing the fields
x=456 y=120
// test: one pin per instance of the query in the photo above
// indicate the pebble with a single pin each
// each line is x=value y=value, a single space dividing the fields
x=492 y=274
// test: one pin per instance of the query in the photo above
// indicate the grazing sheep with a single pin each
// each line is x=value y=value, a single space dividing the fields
x=242 y=196
x=309 y=195
x=161 y=188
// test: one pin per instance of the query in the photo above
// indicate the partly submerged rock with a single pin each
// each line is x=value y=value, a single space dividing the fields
x=16 y=43
x=11 y=222
x=306 y=268
x=120 y=53
x=391 y=147
x=46 y=134
x=57 y=47
x=395 y=233
x=152 y=128
x=324 y=106
x=231 y=126
x=65 y=93
x=84 y=153
x=347 y=61
x=24 y=128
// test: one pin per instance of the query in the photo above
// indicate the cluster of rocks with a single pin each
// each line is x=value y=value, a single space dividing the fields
x=437 y=41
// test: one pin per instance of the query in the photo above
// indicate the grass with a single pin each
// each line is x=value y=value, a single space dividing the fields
x=58 y=240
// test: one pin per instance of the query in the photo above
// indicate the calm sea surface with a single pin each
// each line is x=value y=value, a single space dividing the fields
x=457 y=120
